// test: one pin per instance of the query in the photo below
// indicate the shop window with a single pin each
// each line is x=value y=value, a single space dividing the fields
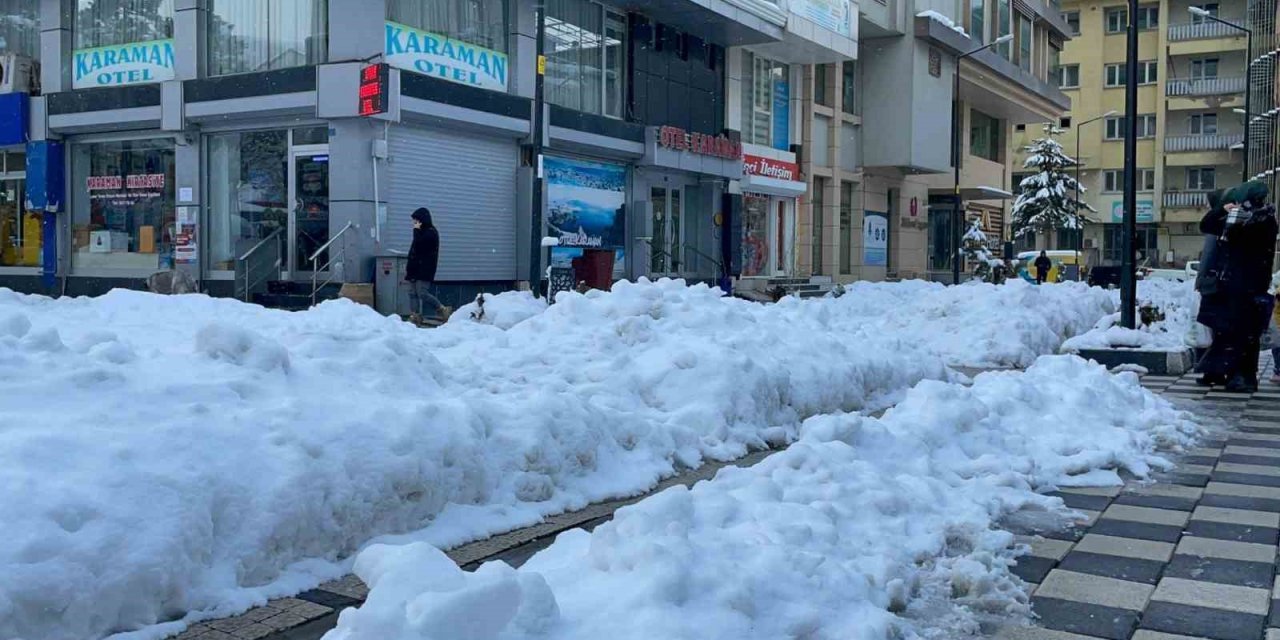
x=585 y=48
x=849 y=86
x=248 y=192
x=121 y=42
x=755 y=235
x=984 y=136
x=261 y=35
x=1145 y=242
x=766 y=108
x=20 y=27
x=846 y=228
x=481 y=24
x=19 y=229
x=123 y=207
x=1069 y=239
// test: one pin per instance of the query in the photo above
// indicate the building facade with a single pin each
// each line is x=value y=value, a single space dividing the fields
x=1192 y=79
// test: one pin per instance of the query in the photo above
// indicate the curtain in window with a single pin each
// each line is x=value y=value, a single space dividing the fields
x=576 y=46
x=259 y=35
x=101 y=23
x=479 y=22
x=20 y=27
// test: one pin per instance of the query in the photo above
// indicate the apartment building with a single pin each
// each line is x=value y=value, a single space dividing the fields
x=1192 y=79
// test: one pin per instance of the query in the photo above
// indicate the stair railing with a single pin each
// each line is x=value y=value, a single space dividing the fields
x=259 y=264
x=332 y=264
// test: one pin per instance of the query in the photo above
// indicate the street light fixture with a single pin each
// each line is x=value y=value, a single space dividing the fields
x=957 y=120
x=1080 y=236
x=1248 y=67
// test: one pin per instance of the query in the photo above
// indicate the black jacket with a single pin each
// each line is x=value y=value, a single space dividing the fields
x=1043 y=263
x=424 y=253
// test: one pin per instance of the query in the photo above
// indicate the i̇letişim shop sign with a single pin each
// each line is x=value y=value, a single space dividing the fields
x=122 y=64
x=444 y=57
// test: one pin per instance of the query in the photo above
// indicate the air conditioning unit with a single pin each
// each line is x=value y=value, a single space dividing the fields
x=1088 y=243
x=19 y=74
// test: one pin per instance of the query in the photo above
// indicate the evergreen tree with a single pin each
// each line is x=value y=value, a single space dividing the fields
x=1047 y=199
x=977 y=252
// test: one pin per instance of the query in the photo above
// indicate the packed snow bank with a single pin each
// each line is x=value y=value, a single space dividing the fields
x=864 y=529
x=1178 y=301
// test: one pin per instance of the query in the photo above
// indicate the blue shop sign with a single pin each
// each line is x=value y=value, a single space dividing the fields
x=781 y=115
x=14 y=109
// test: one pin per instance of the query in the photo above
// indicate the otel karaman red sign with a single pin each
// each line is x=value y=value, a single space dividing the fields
x=770 y=168
x=700 y=143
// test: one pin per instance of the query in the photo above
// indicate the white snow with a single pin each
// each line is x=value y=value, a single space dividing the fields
x=947 y=22
x=1177 y=332
x=175 y=458
x=864 y=529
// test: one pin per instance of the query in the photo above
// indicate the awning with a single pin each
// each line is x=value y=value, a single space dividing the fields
x=974 y=193
x=773 y=186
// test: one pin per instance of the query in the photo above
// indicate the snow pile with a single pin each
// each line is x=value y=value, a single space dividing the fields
x=504 y=310
x=1178 y=301
x=864 y=529
x=946 y=22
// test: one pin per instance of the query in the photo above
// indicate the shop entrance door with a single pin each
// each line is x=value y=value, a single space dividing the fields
x=666 y=251
x=783 y=235
x=309 y=215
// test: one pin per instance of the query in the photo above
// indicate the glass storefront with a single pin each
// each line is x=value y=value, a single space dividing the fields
x=20 y=27
x=248 y=192
x=585 y=45
x=19 y=230
x=755 y=235
x=260 y=35
x=122 y=207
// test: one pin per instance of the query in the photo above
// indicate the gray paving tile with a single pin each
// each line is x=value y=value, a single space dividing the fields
x=1091 y=589
x=1085 y=619
x=1147 y=634
x=1230 y=550
x=1246 y=478
x=1186 y=479
x=1125 y=547
x=1042 y=547
x=1140 y=530
x=1227 y=531
x=1033 y=568
x=1258 y=575
x=1237 y=516
x=1212 y=595
x=1243 y=459
x=1253 y=451
x=1239 y=502
x=1037 y=633
x=1081 y=501
x=1157 y=502
x=1242 y=490
x=1202 y=622
x=1118 y=567
x=1250 y=469
x=1252 y=440
x=1145 y=515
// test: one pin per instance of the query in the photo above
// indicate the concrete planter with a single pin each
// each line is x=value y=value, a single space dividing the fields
x=1161 y=363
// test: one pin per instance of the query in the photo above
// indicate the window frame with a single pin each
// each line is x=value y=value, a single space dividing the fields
x=605 y=12
x=1145 y=13
x=1198 y=123
x=1212 y=7
x=1119 y=15
x=1062 y=76
x=78 y=30
x=1202 y=64
x=1072 y=18
x=1119 y=70
x=211 y=47
x=1200 y=173
x=1148 y=72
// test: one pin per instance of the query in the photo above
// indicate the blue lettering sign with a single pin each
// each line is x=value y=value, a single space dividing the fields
x=439 y=55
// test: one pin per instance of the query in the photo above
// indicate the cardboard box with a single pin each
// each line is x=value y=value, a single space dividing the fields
x=147 y=239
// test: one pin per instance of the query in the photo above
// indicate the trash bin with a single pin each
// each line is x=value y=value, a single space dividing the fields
x=595 y=267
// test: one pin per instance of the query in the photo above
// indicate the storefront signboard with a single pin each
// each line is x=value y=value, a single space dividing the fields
x=700 y=143
x=586 y=209
x=118 y=65
x=875 y=239
x=443 y=57
x=833 y=15
x=781 y=115
x=1146 y=211
x=770 y=168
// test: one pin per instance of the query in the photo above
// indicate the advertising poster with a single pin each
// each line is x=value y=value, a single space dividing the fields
x=875 y=239
x=1146 y=211
x=118 y=65
x=443 y=57
x=586 y=209
x=828 y=14
x=781 y=115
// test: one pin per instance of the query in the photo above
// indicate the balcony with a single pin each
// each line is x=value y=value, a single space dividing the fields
x=1204 y=86
x=1186 y=200
x=1209 y=142
x=1201 y=31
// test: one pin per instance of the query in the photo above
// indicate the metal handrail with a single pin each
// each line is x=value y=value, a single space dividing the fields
x=333 y=259
x=676 y=262
x=245 y=259
x=1224 y=85
x=1202 y=142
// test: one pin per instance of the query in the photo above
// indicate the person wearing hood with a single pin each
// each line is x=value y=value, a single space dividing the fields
x=1043 y=265
x=420 y=273
x=1234 y=303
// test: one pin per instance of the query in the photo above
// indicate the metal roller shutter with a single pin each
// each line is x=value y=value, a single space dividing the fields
x=468 y=181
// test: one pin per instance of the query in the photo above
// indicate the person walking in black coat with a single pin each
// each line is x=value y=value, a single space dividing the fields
x=1234 y=301
x=1043 y=265
x=424 y=257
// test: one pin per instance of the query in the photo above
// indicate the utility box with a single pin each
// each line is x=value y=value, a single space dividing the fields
x=391 y=292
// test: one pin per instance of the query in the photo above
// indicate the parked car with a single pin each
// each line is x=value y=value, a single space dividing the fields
x=1181 y=275
x=1108 y=276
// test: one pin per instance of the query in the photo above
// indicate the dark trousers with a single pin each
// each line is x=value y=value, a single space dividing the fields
x=1232 y=353
x=420 y=296
x=1041 y=276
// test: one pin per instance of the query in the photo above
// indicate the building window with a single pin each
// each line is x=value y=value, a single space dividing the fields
x=849 y=87
x=123 y=207
x=846 y=228
x=1114 y=128
x=248 y=195
x=984 y=136
x=1073 y=22
x=1113 y=180
x=1211 y=8
x=1117 y=19
x=1147 y=125
x=1147 y=72
x=20 y=238
x=260 y=35
x=1149 y=17
x=585 y=46
x=1005 y=27
x=1116 y=75
x=817 y=207
x=1203 y=124
x=1144 y=242
x=1064 y=122
x=765 y=108
x=1024 y=42
x=1204 y=69
x=105 y=23
x=1069 y=239
x=20 y=27
x=977 y=19
x=1146 y=180
x=820 y=74
x=1202 y=179
x=1069 y=76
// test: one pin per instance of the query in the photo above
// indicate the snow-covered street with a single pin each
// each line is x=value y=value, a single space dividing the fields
x=178 y=458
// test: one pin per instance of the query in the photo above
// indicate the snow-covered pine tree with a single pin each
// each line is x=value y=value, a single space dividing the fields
x=977 y=252
x=1047 y=199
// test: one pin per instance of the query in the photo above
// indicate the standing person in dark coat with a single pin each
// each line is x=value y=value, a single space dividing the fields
x=1043 y=265
x=1234 y=300
x=424 y=257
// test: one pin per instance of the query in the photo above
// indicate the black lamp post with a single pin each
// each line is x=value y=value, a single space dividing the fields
x=535 y=150
x=1080 y=235
x=957 y=220
x=1128 y=268
x=1248 y=67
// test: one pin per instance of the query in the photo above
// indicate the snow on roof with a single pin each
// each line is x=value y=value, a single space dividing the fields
x=934 y=15
x=995 y=191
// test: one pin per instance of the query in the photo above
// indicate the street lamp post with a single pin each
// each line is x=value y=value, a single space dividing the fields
x=1248 y=68
x=1128 y=270
x=957 y=121
x=1080 y=235
x=536 y=149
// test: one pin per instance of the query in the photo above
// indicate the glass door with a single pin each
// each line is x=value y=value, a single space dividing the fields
x=783 y=241
x=309 y=215
x=667 y=244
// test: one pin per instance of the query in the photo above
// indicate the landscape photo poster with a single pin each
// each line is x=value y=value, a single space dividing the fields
x=586 y=209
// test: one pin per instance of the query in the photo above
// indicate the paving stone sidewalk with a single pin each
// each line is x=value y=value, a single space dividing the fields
x=1192 y=556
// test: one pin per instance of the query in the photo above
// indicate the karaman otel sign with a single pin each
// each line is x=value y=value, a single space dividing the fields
x=444 y=57
x=118 y=65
